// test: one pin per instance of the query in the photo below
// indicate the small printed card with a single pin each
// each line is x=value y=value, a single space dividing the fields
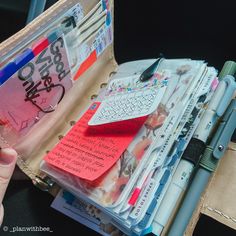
x=129 y=98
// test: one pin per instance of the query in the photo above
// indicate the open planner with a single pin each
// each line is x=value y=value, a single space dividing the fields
x=117 y=151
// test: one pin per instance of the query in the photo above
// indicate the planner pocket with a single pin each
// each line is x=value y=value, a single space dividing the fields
x=35 y=89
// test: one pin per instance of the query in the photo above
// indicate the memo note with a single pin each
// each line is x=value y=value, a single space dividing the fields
x=88 y=152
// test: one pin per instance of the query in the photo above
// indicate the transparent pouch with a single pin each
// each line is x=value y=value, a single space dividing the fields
x=34 y=80
x=34 y=90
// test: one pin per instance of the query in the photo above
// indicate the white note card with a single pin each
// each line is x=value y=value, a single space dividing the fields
x=129 y=98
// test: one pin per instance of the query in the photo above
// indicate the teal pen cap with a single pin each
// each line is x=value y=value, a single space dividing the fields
x=229 y=68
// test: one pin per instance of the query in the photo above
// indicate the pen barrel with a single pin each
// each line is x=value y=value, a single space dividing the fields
x=214 y=110
x=205 y=126
x=189 y=203
x=178 y=184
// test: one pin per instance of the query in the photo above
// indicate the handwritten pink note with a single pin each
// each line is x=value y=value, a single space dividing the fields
x=89 y=151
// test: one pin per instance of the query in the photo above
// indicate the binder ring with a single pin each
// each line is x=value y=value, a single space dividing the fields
x=93 y=96
x=103 y=85
x=112 y=73
x=72 y=122
x=60 y=137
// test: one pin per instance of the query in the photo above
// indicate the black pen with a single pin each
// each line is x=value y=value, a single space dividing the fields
x=149 y=72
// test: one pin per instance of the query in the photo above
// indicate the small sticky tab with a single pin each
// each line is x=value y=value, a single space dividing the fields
x=7 y=72
x=108 y=18
x=134 y=196
x=165 y=177
x=54 y=36
x=104 y=5
x=159 y=191
x=152 y=206
x=181 y=144
x=40 y=46
x=173 y=147
x=68 y=197
x=24 y=58
x=86 y=64
x=173 y=159
x=214 y=84
x=144 y=221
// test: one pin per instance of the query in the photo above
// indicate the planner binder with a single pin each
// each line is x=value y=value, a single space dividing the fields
x=54 y=69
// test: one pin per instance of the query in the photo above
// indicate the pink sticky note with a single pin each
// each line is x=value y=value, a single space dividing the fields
x=214 y=84
x=88 y=152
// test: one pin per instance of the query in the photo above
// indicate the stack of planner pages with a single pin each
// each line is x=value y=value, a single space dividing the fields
x=116 y=163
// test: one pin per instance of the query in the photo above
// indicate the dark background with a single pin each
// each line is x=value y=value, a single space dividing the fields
x=143 y=29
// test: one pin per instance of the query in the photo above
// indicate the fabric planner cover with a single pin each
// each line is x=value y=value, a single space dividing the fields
x=55 y=66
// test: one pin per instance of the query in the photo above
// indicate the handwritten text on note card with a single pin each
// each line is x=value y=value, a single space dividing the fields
x=88 y=152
